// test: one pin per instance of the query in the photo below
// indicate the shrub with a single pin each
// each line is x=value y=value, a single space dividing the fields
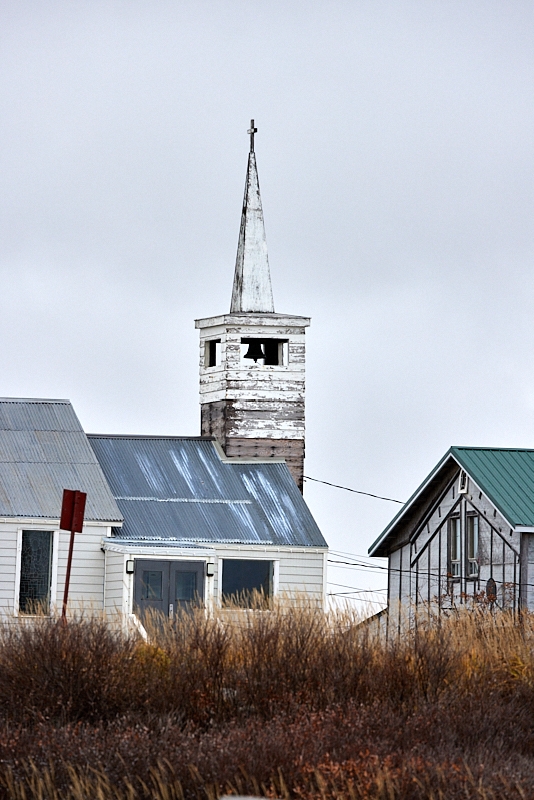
x=286 y=703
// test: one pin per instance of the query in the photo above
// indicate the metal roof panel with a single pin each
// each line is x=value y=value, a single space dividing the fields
x=181 y=490
x=43 y=450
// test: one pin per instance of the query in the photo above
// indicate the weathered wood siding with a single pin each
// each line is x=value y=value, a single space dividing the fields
x=419 y=563
x=250 y=401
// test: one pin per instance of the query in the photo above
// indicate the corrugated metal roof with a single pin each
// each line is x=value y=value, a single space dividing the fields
x=505 y=475
x=43 y=450
x=179 y=489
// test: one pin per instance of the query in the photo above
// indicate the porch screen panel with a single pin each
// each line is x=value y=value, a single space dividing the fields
x=35 y=571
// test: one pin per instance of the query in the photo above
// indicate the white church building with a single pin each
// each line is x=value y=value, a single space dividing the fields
x=174 y=520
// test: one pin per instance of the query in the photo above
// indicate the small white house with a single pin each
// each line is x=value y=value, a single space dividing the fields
x=200 y=525
x=465 y=537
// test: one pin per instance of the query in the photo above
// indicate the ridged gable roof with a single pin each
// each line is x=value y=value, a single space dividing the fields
x=43 y=450
x=504 y=475
x=181 y=491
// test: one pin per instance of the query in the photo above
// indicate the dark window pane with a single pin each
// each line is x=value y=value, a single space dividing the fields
x=186 y=586
x=243 y=577
x=152 y=585
x=35 y=571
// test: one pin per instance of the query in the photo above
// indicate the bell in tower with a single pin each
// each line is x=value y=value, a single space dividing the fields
x=255 y=351
x=252 y=396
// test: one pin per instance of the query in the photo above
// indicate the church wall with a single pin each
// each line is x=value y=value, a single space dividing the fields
x=87 y=575
x=8 y=566
x=118 y=585
x=298 y=571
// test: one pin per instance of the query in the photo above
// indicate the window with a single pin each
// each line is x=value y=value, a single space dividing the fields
x=186 y=586
x=35 y=572
x=246 y=580
x=212 y=353
x=472 y=546
x=455 y=547
x=269 y=352
x=152 y=585
x=469 y=545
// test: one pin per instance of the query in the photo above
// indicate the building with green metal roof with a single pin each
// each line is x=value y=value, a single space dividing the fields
x=466 y=535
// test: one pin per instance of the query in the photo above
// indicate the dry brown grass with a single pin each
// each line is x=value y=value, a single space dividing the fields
x=283 y=703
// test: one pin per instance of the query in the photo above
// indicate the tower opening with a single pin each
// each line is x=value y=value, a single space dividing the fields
x=266 y=352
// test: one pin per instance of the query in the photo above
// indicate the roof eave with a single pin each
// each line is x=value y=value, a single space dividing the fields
x=376 y=548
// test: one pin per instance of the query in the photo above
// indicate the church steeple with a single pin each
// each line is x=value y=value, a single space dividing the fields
x=252 y=291
x=252 y=360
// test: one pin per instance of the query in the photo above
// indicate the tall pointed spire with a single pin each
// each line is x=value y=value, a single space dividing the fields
x=252 y=291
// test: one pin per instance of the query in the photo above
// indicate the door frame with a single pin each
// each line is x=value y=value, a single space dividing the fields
x=142 y=559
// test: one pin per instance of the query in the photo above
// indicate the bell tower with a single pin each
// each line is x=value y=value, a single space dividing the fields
x=252 y=360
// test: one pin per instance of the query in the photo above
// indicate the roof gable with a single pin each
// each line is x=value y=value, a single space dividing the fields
x=43 y=450
x=504 y=475
x=181 y=490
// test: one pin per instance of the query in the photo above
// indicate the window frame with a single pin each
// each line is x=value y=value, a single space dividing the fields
x=454 y=530
x=275 y=577
x=280 y=345
x=212 y=353
x=461 y=567
x=472 y=559
x=53 y=569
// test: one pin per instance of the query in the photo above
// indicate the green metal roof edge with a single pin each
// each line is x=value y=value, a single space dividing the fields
x=454 y=451
x=489 y=494
x=407 y=504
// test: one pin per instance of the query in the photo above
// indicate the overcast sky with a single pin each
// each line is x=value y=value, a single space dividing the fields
x=396 y=160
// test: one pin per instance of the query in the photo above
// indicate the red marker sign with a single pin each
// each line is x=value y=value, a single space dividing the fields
x=72 y=511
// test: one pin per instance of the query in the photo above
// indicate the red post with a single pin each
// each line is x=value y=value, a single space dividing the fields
x=72 y=511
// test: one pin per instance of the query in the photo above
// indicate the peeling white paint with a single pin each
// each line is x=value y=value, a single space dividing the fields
x=252 y=289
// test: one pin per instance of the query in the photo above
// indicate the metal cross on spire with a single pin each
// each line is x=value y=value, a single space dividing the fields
x=251 y=132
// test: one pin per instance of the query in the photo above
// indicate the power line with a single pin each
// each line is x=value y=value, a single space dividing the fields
x=356 y=491
x=345 y=554
x=355 y=588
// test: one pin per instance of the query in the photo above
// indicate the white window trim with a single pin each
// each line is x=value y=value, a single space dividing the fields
x=276 y=575
x=243 y=557
x=53 y=577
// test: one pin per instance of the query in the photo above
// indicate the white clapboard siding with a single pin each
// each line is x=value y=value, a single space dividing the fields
x=8 y=565
x=88 y=565
x=117 y=584
x=299 y=571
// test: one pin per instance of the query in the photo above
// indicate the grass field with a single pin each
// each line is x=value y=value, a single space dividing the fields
x=281 y=703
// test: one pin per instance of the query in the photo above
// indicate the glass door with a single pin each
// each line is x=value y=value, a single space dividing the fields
x=186 y=585
x=168 y=586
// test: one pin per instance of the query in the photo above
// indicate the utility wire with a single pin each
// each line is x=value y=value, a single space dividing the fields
x=356 y=491
x=424 y=573
x=355 y=588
